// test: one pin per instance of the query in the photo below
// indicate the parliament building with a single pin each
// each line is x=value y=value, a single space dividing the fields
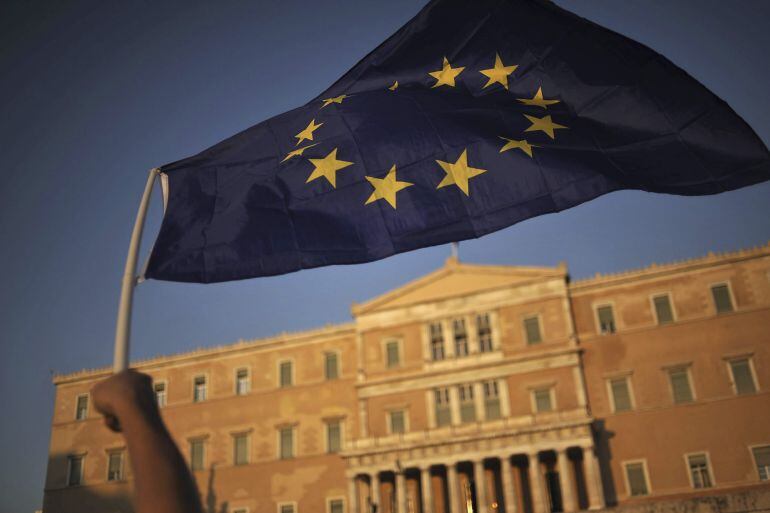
x=484 y=389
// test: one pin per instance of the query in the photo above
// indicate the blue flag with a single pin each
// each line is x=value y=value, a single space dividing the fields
x=470 y=118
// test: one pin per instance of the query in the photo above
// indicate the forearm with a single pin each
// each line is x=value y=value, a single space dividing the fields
x=162 y=481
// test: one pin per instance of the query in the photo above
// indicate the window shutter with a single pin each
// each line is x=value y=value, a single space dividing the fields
x=663 y=309
x=332 y=371
x=606 y=319
x=285 y=374
x=241 y=450
x=75 y=470
x=392 y=353
x=397 y=424
x=532 y=328
x=196 y=454
x=543 y=400
x=287 y=443
x=334 y=439
x=620 y=394
x=762 y=459
x=722 y=300
x=680 y=385
x=335 y=506
x=744 y=381
x=636 y=480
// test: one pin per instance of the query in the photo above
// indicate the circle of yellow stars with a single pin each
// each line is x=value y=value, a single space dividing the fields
x=458 y=173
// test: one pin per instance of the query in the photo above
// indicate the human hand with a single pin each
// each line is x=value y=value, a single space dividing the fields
x=124 y=397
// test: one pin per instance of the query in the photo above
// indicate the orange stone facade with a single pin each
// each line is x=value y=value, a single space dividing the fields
x=473 y=389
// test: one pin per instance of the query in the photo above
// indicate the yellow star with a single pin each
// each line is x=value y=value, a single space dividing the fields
x=327 y=167
x=394 y=86
x=538 y=100
x=543 y=124
x=298 y=152
x=498 y=74
x=522 y=145
x=386 y=188
x=447 y=75
x=307 y=133
x=336 y=99
x=458 y=173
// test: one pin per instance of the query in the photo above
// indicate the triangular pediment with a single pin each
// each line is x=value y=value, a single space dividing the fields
x=457 y=279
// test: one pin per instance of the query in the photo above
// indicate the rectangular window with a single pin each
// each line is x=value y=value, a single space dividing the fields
x=606 y=319
x=443 y=408
x=722 y=300
x=397 y=420
x=241 y=449
x=199 y=389
x=621 y=394
x=286 y=508
x=637 y=479
x=680 y=385
x=461 y=337
x=286 y=450
x=762 y=460
x=333 y=437
x=532 y=330
x=699 y=470
x=160 y=394
x=491 y=400
x=242 y=382
x=484 y=332
x=663 y=311
x=392 y=354
x=743 y=378
x=336 y=506
x=436 y=341
x=115 y=466
x=331 y=366
x=197 y=454
x=543 y=400
x=286 y=374
x=74 y=470
x=81 y=410
x=467 y=404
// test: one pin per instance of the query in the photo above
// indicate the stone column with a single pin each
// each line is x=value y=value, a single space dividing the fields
x=566 y=482
x=449 y=341
x=536 y=484
x=473 y=334
x=478 y=401
x=481 y=486
x=508 y=492
x=593 y=478
x=454 y=404
x=426 y=490
x=353 y=493
x=453 y=487
x=374 y=492
x=400 y=493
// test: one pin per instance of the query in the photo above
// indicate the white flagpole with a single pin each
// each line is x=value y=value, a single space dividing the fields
x=123 y=326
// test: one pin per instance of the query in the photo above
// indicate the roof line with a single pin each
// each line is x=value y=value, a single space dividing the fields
x=240 y=345
x=710 y=258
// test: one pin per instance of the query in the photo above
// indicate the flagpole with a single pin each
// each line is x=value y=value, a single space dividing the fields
x=123 y=325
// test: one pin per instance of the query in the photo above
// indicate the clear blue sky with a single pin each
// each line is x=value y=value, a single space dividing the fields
x=93 y=94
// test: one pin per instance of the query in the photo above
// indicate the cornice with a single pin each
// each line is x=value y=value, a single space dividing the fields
x=330 y=330
x=711 y=259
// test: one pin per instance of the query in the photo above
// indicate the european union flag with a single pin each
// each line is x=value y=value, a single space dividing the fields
x=470 y=118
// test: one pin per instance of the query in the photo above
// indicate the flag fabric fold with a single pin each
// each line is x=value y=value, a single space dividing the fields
x=470 y=118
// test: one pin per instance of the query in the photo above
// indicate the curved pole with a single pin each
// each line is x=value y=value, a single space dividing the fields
x=123 y=327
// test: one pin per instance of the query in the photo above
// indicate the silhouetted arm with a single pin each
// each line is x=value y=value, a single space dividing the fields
x=162 y=481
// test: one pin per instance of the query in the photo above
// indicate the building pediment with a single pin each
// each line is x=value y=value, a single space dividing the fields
x=457 y=279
